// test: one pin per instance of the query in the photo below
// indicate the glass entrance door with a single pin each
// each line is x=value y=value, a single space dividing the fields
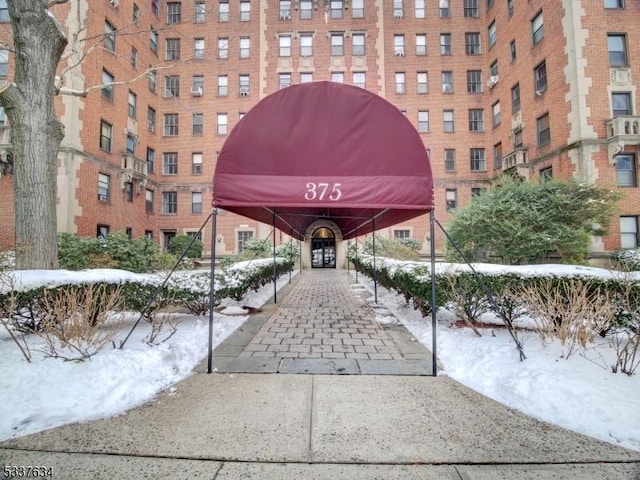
x=323 y=249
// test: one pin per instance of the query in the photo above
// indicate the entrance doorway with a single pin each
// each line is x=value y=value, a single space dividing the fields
x=323 y=248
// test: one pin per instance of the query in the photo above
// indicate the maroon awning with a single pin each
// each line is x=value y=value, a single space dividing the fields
x=324 y=150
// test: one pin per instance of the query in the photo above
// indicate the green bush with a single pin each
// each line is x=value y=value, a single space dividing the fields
x=178 y=245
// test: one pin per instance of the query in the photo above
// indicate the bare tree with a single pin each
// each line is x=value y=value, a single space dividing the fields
x=36 y=133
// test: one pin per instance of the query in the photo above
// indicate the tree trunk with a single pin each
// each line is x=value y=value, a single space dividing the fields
x=36 y=133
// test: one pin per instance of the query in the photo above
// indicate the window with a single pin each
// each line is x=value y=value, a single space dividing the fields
x=223 y=47
x=284 y=46
x=170 y=163
x=197 y=124
x=196 y=202
x=131 y=143
x=398 y=9
x=196 y=163
x=129 y=230
x=517 y=138
x=537 y=28
x=245 y=10
x=243 y=238
x=358 y=44
x=102 y=231
x=306 y=9
x=492 y=34
x=155 y=7
x=337 y=44
x=510 y=7
x=107 y=85
x=478 y=161
x=449 y=159
x=515 y=98
x=543 y=130
x=471 y=8
x=151 y=159
x=447 y=82
x=104 y=184
x=546 y=174
x=421 y=44
x=244 y=85
x=222 y=123
x=153 y=40
x=174 y=12
x=423 y=82
x=335 y=8
x=423 y=121
x=445 y=44
x=621 y=103
x=306 y=77
x=497 y=155
x=629 y=234
x=109 y=37
x=245 y=47
x=513 y=54
x=284 y=80
x=419 y=9
x=448 y=121
x=134 y=57
x=496 y=114
x=200 y=14
x=223 y=13
x=451 y=195
x=198 y=48
x=540 y=77
x=398 y=45
x=403 y=234
x=337 y=77
x=170 y=124
x=151 y=119
x=493 y=69
x=400 y=83
x=306 y=44
x=474 y=81
x=197 y=83
x=444 y=8
x=476 y=120
x=359 y=79
x=617 y=47
x=171 y=86
x=169 y=203
x=106 y=131
x=357 y=8
x=613 y=3
x=172 y=49
x=223 y=85
x=472 y=43
x=489 y=4
x=626 y=170
x=131 y=107
x=148 y=234
x=4 y=11
x=285 y=9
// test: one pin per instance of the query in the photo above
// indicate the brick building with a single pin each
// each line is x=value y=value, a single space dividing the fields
x=539 y=88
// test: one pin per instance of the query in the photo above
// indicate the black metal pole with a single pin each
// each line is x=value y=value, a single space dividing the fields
x=290 y=252
x=434 y=306
x=275 y=277
x=356 y=255
x=375 y=271
x=212 y=289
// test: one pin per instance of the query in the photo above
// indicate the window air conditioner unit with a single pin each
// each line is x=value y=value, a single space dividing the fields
x=196 y=91
x=244 y=92
x=493 y=81
x=399 y=52
x=285 y=16
x=398 y=14
x=152 y=126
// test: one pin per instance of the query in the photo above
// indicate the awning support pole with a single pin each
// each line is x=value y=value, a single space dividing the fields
x=275 y=278
x=434 y=304
x=356 y=255
x=290 y=252
x=212 y=289
x=375 y=270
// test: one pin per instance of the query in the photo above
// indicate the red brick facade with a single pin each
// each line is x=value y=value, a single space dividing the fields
x=227 y=55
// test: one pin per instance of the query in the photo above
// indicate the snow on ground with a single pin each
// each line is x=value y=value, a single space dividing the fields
x=579 y=393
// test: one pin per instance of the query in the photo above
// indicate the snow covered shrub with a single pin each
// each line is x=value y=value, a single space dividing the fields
x=573 y=310
x=178 y=245
x=77 y=321
x=466 y=298
x=628 y=260
x=8 y=306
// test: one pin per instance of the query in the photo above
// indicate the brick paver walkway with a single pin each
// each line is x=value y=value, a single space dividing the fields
x=322 y=325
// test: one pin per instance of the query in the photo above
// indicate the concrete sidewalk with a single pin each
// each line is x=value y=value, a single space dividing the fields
x=330 y=426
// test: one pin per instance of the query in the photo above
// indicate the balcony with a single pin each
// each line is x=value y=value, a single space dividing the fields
x=622 y=130
x=515 y=162
x=133 y=169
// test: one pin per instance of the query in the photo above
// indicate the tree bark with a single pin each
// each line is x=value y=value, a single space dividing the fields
x=36 y=133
